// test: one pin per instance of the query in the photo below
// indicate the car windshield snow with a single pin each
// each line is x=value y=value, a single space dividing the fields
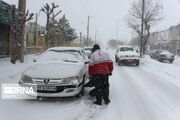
x=62 y=55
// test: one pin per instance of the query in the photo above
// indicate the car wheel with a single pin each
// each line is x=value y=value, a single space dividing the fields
x=137 y=63
x=83 y=86
x=81 y=93
x=119 y=62
x=159 y=60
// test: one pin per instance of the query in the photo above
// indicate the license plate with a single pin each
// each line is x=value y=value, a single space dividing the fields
x=46 y=88
x=130 y=61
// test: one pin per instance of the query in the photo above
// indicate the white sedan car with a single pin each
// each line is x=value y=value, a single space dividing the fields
x=88 y=51
x=127 y=55
x=59 y=72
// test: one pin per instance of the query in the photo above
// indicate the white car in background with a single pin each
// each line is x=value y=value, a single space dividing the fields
x=127 y=55
x=88 y=51
x=59 y=72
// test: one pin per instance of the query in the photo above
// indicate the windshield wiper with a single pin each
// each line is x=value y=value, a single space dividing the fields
x=70 y=61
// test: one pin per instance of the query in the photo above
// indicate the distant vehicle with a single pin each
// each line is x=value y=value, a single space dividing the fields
x=127 y=55
x=162 y=56
x=59 y=72
x=88 y=51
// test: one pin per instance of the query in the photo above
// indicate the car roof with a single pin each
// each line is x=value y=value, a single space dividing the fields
x=65 y=48
x=165 y=52
x=87 y=47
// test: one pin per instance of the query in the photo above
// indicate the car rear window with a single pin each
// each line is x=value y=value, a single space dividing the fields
x=126 y=49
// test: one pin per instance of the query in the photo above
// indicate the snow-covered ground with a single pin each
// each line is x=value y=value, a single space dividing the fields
x=148 y=92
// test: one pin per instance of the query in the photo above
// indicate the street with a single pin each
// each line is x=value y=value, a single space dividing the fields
x=136 y=93
x=56 y=56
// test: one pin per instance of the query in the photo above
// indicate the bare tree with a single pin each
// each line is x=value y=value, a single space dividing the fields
x=18 y=32
x=49 y=11
x=152 y=14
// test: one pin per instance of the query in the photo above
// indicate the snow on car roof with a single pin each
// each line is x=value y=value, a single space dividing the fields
x=65 y=48
x=88 y=47
x=125 y=46
x=166 y=52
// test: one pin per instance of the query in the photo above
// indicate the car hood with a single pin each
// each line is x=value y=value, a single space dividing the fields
x=128 y=53
x=87 y=51
x=53 y=70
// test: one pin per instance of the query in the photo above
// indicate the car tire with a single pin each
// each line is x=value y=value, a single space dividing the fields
x=81 y=93
x=117 y=60
x=137 y=63
x=119 y=63
x=83 y=86
x=159 y=60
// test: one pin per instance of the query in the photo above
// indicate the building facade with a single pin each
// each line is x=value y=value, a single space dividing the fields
x=34 y=37
x=166 y=40
x=7 y=20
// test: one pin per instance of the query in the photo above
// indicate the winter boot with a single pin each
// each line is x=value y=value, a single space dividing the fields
x=107 y=102
x=98 y=100
x=97 y=103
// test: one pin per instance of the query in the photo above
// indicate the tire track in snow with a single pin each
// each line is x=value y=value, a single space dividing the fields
x=91 y=112
x=158 y=98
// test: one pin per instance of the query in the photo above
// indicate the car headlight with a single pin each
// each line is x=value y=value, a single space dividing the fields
x=72 y=80
x=26 y=78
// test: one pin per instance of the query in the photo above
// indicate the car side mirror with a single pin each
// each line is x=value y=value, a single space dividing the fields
x=87 y=62
x=34 y=59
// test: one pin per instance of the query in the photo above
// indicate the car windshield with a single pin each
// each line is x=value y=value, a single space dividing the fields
x=62 y=55
x=165 y=53
x=126 y=49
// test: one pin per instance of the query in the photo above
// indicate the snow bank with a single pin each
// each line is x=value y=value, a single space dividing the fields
x=11 y=73
x=166 y=71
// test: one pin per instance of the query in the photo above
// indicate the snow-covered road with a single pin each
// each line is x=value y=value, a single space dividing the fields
x=137 y=93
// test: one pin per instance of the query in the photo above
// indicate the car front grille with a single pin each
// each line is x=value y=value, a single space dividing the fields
x=42 y=81
x=129 y=56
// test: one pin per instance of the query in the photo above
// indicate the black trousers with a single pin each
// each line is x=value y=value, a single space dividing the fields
x=101 y=87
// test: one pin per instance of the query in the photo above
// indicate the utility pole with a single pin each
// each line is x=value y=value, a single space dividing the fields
x=80 y=39
x=95 y=37
x=133 y=38
x=142 y=28
x=117 y=29
x=87 y=41
x=21 y=25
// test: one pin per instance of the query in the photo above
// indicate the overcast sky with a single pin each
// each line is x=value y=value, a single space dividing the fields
x=104 y=15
